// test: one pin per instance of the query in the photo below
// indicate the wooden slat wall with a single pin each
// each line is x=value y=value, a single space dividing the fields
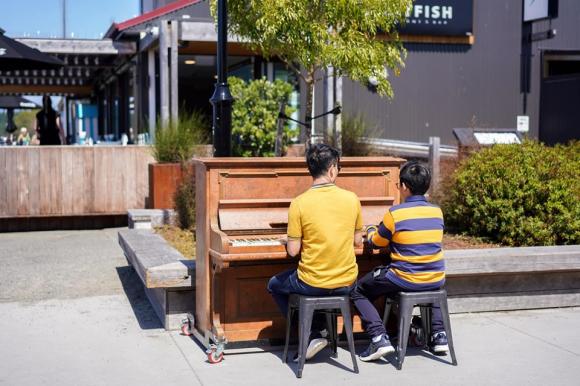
x=72 y=180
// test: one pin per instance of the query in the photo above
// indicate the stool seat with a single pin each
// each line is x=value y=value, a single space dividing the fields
x=425 y=300
x=306 y=306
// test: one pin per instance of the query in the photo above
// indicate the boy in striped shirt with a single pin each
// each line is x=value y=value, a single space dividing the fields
x=413 y=231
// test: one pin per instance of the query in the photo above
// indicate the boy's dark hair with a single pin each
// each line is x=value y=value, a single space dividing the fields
x=416 y=176
x=320 y=158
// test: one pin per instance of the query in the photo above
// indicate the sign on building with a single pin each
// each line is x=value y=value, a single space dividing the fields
x=523 y=123
x=439 y=17
x=540 y=9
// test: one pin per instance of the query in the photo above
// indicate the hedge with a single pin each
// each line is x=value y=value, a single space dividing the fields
x=518 y=195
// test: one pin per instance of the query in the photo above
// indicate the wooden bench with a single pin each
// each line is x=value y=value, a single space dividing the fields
x=497 y=279
x=501 y=279
x=169 y=279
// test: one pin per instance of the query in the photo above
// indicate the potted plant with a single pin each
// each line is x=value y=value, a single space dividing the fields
x=175 y=144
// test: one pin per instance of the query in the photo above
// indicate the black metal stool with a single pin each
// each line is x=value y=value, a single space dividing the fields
x=424 y=299
x=306 y=306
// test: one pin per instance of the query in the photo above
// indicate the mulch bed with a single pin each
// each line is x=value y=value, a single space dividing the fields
x=180 y=239
x=184 y=242
x=452 y=241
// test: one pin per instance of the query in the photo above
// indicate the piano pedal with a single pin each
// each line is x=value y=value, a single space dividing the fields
x=215 y=353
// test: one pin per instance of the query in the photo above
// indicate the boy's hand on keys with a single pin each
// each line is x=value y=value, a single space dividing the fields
x=369 y=230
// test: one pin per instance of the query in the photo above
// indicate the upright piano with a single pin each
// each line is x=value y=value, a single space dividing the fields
x=241 y=214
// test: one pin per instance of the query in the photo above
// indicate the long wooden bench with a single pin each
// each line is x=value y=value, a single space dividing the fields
x=497 y=279
x=168 y=278
x=513 y=278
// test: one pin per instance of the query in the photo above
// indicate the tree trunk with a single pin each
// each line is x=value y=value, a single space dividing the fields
x=306 y=131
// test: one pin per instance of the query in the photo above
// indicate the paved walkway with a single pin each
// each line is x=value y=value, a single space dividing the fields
x=72 y=313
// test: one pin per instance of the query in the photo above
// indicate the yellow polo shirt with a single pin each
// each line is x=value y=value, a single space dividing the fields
x=325 y=218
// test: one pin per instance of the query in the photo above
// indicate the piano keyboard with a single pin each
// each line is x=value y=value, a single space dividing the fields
x=255 y=242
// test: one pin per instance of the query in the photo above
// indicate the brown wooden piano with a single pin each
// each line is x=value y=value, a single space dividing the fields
x=242 y=212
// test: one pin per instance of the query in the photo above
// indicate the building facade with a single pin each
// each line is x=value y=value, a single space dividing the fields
x=470 y=63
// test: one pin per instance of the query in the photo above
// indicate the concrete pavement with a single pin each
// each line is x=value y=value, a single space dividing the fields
x=73 y=313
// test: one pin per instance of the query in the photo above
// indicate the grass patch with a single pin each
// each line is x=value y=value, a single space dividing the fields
x=180 y=239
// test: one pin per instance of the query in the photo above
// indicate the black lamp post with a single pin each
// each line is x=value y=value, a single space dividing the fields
x=222 y=99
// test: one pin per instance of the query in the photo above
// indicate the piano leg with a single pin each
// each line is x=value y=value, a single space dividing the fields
x=215 y=352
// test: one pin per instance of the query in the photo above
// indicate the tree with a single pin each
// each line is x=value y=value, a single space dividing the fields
x=26 y=118
x=356 y=37
x=255 y=114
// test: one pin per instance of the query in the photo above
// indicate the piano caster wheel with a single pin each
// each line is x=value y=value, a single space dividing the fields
x=213 y=355
x=186 y=328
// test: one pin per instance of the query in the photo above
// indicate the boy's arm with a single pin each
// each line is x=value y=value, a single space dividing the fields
x=381 y=236
x=294 y=243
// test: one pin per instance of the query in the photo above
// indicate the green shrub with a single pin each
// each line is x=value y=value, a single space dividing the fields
x=255 y=116
x=525 y=194
x=176 y=141
x=354 y=128
x=184 y=199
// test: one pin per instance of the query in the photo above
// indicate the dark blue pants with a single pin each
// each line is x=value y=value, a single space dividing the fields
x=370 y=287
x=286 y=283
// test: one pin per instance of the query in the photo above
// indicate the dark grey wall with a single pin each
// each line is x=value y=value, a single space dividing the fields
x=567 y=25
x=447 y=86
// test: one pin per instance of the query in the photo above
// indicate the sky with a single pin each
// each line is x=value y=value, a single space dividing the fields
x=86 y=19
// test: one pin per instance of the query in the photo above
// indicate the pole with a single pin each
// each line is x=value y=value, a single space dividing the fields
x=435 y=162
x=280 y=130
x=64 y=19
x=222 y=99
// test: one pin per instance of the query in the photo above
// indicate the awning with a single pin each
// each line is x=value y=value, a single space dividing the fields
x=17 y=56
x=16 y=102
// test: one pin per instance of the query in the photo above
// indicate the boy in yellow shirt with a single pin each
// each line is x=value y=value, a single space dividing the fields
x=324 y=225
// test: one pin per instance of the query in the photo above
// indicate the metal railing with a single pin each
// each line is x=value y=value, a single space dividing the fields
x=407 y=148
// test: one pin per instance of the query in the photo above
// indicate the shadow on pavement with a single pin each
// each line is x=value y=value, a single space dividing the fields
x=135 y=292
x=325 y=356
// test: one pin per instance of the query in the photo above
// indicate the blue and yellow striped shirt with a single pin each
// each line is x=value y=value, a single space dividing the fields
x=414 y=233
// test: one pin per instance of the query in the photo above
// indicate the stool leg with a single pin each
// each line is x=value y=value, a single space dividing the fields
x=447 y=325
x=347 y=321
x=426 y=323
x=289 y=316
x=331 y=326
x=336 y=335
x=405 y=314
x=387 y=312
x=306 y=314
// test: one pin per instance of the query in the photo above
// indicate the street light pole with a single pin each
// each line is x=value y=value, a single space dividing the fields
x=222 y=99
x=64 y=19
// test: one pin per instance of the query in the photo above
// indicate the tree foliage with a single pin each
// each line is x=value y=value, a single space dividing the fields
x=357 y=37
x=255 y=115
x=26 y=118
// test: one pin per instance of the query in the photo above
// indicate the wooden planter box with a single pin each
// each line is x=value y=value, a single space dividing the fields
x=165 y=178
x=163 y=182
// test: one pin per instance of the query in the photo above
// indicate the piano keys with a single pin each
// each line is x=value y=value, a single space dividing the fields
x=259 y=241
x=242 y=213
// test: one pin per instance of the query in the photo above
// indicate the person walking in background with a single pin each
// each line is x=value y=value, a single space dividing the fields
x=48 y=125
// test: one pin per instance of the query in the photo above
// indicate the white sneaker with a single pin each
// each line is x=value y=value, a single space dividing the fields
x=315 y=346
